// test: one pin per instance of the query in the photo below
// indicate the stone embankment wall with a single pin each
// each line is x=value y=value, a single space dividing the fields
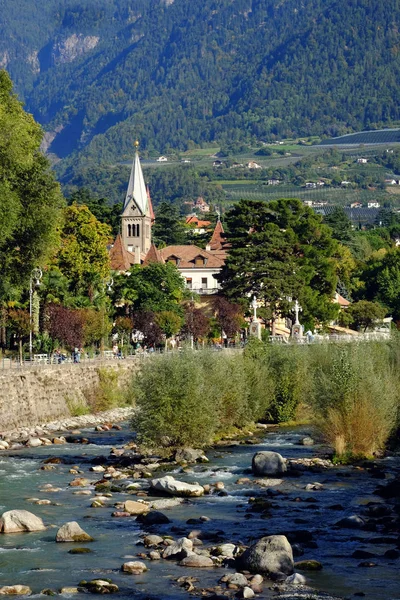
x=37 y=395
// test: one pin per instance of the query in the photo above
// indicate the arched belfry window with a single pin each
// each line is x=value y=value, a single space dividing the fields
x=129 y=231
x=138 y=230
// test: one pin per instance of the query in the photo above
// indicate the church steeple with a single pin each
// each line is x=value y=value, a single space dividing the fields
x=136 y=214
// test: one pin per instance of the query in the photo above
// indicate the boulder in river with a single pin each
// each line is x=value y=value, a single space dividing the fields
x=136 y=508
x=271 y=555
x=307 y=441
x=171 y=486
x=15 y=521
x=152 y=540
x=268 y=463
x=190 y=455
x=15 y=590
x=352 y=522
x=179 y=550
x=308 y=565
x=98 y=586
x=197 y=561
x=135 y=567
x=296 y=579
x=154 y=517
x=72 y=532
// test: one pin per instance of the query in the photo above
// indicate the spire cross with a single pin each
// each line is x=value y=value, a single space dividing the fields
x=297 y=308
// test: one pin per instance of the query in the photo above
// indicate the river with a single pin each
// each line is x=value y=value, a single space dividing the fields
x=306 y=517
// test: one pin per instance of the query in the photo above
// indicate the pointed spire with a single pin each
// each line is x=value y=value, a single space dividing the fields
x=153 y=255
x=120 y=258
x=218 y=238
x=136 y=188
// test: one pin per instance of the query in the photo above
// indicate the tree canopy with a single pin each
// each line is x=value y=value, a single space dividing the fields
x=281 y=251
x=30 y=198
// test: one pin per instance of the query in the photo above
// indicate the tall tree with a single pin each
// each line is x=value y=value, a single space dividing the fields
x=30 y=198
x=381 y=282
x=280 y=251
x=154 y=288
x=340 y=224
x=168 y=229
x=99 y=207
x=83 y=257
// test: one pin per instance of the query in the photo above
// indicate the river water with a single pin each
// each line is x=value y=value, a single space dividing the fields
x=308 y=517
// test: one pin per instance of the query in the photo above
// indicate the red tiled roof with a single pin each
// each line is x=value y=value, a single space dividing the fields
x=188 y=254
x=153 y=255
x=341 y=301
x=194 y=220
x=120 y=258
x=218 y=239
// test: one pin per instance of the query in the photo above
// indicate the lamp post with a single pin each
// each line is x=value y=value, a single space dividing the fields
x=34 y=281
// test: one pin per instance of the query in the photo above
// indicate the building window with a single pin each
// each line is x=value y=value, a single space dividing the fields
x=189 y=283
x=199 y=261
x=204 y=283
x=138 y=230
x=129 y=231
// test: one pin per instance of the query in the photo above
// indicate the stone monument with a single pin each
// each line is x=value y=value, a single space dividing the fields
x=297 y=328
x=255 y=326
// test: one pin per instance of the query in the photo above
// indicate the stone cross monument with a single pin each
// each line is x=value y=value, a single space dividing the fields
x=255 y=326
x=297 y=328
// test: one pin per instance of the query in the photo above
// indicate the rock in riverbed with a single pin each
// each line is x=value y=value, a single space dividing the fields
x=268 y=463
x=98 y=586
x=135 y=567
x=271 y=555
x=72 y=532
x=136 y=508
x=190 y=455
x=15 y=590
x=172 y=487
x=15 y=521
x=179 y=550
x=197 y=561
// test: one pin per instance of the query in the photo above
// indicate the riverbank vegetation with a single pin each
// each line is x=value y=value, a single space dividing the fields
x=350 y=392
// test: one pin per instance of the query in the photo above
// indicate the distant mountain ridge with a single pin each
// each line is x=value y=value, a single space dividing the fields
x=99 y=73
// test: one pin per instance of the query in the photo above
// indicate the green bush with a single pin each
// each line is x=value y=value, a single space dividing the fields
x=279 y=379
x=108 y=393
x=175 y=405
x=355 y=395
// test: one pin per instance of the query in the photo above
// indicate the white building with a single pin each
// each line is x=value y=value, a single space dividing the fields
x=373 y=205
x=198 y=267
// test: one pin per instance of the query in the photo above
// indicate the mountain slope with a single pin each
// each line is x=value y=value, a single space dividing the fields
x=104 y=72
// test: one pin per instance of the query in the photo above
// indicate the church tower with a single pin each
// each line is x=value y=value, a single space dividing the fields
x=137 y=214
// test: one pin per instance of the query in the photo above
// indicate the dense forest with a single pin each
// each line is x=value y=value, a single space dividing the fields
x=175 y=74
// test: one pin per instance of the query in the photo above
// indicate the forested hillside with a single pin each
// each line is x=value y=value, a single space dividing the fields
x=99 y=73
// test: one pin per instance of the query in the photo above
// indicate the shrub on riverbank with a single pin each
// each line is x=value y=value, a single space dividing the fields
x=280 y=381
x=351 y=390
x=188 y=398
x=355 y=395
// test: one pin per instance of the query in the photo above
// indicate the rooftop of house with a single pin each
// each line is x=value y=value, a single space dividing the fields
x=341 y=301
x=185 y=257
x=194 y=220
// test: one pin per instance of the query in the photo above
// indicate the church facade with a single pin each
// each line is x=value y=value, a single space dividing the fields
x=198 y=267
x=137 y=214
